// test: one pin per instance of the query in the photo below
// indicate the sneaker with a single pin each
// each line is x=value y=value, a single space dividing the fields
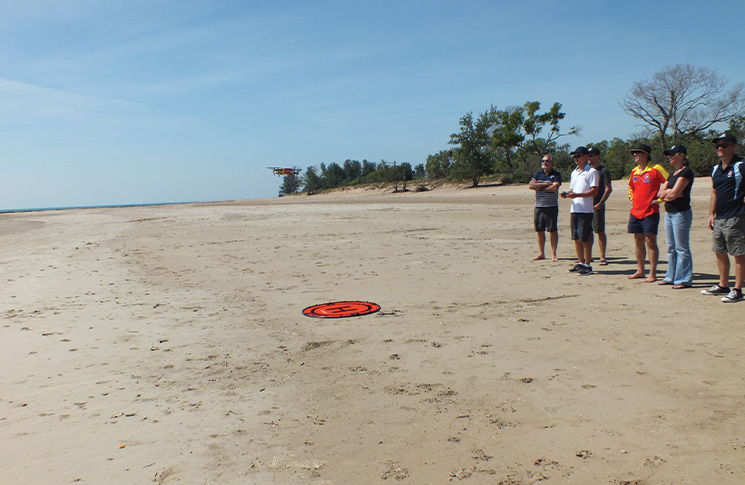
x=715 y=290
x=587 y=270
x=577 y=268
x=733 y=296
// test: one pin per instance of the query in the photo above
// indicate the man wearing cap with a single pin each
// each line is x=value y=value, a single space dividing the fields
x=727 y=218
x=644 y=184
x=605 y=187
x=546 y=184
x=582 y=188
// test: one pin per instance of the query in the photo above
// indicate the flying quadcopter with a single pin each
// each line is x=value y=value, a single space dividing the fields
x=279 y=171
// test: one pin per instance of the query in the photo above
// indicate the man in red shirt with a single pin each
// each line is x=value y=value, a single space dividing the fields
x=644 y=183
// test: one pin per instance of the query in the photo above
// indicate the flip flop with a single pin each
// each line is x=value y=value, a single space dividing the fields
x=663 y=282
x=680 y=287
x=603 y=262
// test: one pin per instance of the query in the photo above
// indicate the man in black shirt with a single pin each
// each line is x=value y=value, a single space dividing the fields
x=727 y=218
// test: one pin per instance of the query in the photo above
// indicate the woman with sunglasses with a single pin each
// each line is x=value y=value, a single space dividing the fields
x=676 y=193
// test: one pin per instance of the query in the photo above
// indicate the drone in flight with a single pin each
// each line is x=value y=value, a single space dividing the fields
x=279 y=171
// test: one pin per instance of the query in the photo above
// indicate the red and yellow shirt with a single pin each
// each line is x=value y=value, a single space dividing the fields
x=643 y=188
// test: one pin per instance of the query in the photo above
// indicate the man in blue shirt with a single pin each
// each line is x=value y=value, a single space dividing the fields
x=727 y=218
x=546 y=184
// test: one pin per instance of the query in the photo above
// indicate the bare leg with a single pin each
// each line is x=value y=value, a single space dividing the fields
x=602 y=241
x=723 y=265
x=654 y=254
x=541 y=245
x=739 y=271
x=554 y=244
x=641 y=256
x=580 y=250
x=588 y=251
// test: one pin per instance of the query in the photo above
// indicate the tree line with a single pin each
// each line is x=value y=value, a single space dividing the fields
x=680 y=104
x=351 y=173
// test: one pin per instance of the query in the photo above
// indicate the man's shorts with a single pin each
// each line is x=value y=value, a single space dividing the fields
x=648 y=225
x=546 y=219
x=729 y=236
x=581 y=226
x=598 y=221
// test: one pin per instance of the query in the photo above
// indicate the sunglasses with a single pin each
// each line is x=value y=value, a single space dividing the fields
x=723 y=145
x=547 y=161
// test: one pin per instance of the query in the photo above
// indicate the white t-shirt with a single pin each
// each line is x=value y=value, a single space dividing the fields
x=583 y=181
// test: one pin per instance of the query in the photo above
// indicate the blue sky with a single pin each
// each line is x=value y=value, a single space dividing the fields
x=116 y=102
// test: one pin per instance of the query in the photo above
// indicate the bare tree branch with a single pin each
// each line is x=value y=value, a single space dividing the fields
x=685 y=100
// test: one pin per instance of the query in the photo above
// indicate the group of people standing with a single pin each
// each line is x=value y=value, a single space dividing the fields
x=650 y=185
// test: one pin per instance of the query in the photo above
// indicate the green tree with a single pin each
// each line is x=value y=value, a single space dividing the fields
x=332 y=175
x=507 y=136
x=352 y=170
x=702 y=155
x=367 y=168
x=312 y=181
x=438 y=166
x=473 y=158
x=382 y=173
x=737 y=128
x=534 y=124
x=563 y=162
x=618 y=158
x=520 y=136
x=401 y=174
x=290 y=184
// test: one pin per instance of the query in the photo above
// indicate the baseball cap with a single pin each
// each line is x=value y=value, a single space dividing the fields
x=675 y=149
x=728 y=137
x=593 y=151
x=579 y=151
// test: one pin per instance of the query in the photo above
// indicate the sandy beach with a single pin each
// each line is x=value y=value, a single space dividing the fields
x=166 y=344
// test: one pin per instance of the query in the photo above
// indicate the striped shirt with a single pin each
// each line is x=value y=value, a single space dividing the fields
x=543 y=198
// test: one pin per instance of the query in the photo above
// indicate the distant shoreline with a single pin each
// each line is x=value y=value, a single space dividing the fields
x=112 y=206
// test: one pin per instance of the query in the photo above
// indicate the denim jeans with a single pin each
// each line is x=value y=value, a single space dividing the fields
x=677 y=236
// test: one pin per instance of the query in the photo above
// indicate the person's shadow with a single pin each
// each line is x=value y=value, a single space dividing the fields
x=700 y=280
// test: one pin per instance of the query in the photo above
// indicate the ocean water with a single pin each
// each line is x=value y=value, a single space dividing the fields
x=41 y=209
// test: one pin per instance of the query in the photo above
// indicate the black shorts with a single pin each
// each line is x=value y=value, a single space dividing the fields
x=546 y=219
x=648 y=225
x=598 y=221
x=581 y=226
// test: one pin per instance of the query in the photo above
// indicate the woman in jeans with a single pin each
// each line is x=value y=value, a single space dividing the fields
x=676 y=193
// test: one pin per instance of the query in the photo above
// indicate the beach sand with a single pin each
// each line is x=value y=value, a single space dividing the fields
x=166 y=344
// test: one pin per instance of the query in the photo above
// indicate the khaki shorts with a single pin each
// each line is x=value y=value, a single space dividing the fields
x=729 y=236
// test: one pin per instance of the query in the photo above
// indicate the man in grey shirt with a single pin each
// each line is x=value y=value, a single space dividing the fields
x=604 y=190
